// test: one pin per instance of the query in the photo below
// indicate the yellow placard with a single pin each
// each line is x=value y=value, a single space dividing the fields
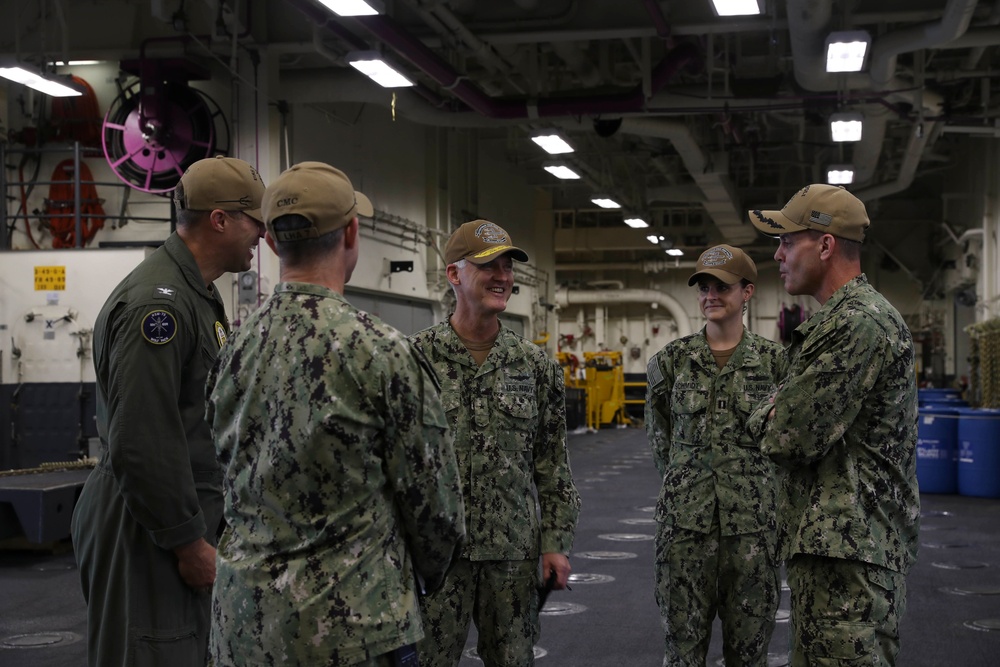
x=50 y=278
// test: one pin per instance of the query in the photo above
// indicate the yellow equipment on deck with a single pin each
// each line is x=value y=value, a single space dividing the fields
x=603 y=382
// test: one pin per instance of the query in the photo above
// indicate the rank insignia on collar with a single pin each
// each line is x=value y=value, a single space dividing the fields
x=164 y=292
x=159 y=327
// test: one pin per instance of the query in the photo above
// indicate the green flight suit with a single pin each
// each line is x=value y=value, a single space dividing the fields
x=157 y=485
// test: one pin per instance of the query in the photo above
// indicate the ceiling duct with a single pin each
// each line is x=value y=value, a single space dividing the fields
x=711 y=177
x=566 y=297
x=809 y=22
x=410 y=47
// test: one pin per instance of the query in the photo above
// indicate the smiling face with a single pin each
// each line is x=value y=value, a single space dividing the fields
x=720 y=302
x=246 y=233
x=483 y=288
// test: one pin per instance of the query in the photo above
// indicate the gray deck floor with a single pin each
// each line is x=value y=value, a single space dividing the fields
x=955 y=584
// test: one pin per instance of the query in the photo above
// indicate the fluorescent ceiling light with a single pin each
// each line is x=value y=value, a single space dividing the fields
x=561 y=171
x=846 y=126
x=846 y=51
x=38 y=82
x=840 y=174
x=605 y=202
x=75 y=63
x=635 y=222
x=654 y=239
x=736 y=7
x=552 y=142
x=351 y=7
x=675 y=252
x=370 y=64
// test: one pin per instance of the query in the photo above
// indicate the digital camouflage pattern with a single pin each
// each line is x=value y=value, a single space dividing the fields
x=718 y=495
x=862 y=605
x=157 y=485
x=340 y=485
x=506 y=591
x=508 y=418
x=699 y=574
x=845 y=428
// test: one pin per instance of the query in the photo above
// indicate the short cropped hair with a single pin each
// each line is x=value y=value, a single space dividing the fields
x=303 y=251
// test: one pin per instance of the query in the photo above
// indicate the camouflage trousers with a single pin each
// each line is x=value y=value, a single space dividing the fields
x=701 y=574
x=501 y=597
x=844 y=613
x=384 y=660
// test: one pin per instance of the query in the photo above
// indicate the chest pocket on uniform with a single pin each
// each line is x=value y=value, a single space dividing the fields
x=755 y=391
x=518 y=419
x=689 y=413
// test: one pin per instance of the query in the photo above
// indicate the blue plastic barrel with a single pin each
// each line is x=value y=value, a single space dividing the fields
x=935 y=392
x=979 y=452
x=937 y=449
x=949 y=398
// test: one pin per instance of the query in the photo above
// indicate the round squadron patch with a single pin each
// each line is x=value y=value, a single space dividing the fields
x=159 y=327
x=220 y=333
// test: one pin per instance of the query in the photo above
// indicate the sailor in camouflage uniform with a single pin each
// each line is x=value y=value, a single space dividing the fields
x=341 y=487
x=504 y=399
x=715 y=541
x=145 y=526
x=844 y=425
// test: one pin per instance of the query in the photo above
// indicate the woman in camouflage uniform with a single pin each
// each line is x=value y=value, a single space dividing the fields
x=715 y=543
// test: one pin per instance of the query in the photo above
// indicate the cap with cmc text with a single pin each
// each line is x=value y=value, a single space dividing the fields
x=481 y=241
x=220 y=182
x=321 y=194
x=728 y=264
x=826 y=208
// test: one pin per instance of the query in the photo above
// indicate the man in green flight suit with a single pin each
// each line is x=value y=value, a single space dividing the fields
x=504 y=399
x=147 y=521
x=844 y=425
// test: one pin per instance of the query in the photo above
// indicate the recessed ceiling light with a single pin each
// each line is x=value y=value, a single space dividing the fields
x=736 y=7
x=351 y=7
x=846 y=51
x=846 y=126
x=635 y=222
x=552 y=142
x=561 y=171
x=371 y=64
x=50 y=86
x=840 y=174
x=605 y=201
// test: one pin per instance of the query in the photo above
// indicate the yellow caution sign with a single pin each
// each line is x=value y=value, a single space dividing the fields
x=50 y=278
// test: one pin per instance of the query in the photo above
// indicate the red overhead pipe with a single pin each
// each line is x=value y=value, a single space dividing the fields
x=411 y=48
x=511 y=108
x=657 y=17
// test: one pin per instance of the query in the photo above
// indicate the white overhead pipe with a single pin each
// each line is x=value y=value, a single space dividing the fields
x=566 y=297
x=711 y=178
x=920 y=135
x=953 y=24
x=648 y=266
x=809 y=24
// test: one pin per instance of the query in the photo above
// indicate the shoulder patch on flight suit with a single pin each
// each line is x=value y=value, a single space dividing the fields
x=158 y=327
x=220 y=333
x=165 y=292
x=654 y=376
